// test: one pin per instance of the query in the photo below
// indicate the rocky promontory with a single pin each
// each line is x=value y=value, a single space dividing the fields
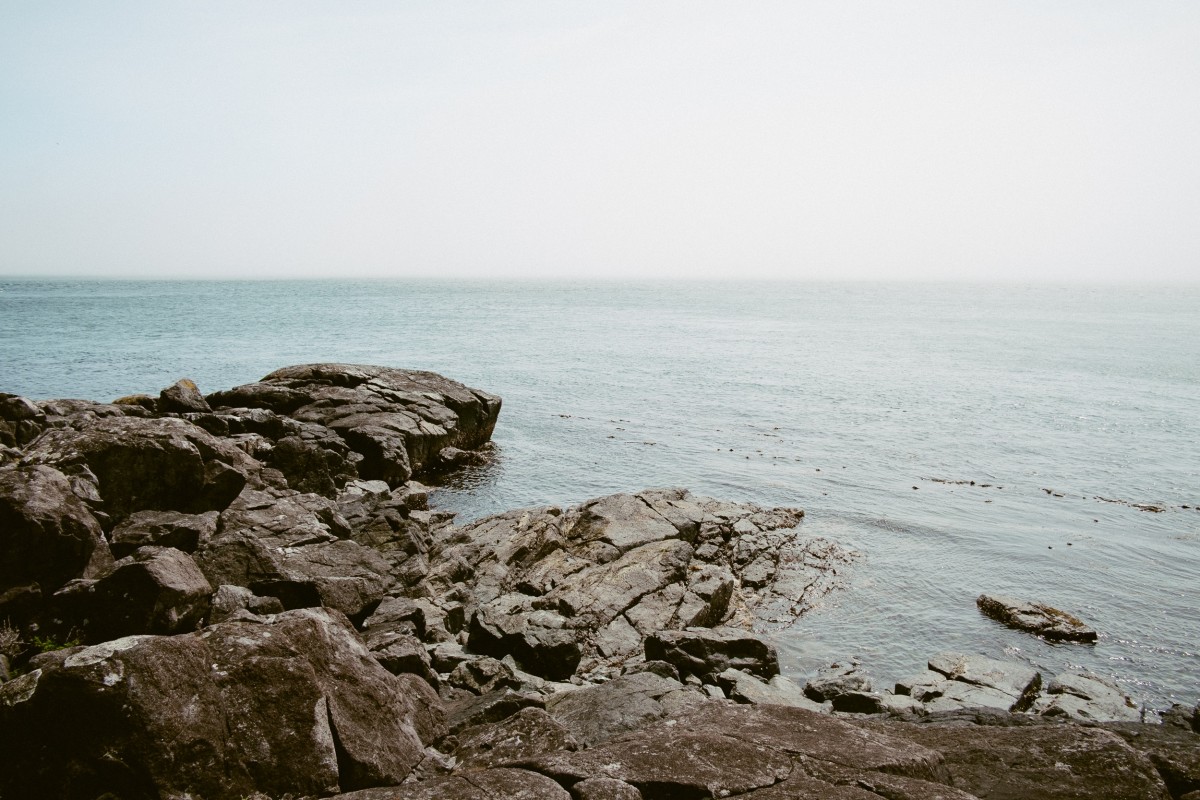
x=246 y=594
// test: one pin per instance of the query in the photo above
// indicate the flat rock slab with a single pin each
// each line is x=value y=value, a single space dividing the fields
x=1038 y=618
x=1045 y=761
x=1014 y=680
x=488 y=784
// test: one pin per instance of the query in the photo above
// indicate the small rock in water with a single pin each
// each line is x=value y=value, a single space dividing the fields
x=1036 y=618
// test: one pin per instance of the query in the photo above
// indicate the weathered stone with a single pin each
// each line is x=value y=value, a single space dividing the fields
x=539 y=640
x=47 y=534
x=595 y=714
x=604 y=789
x=837 y=679
x=1015 y=680
x=182 y=397
x=1044 y=761
x=529 y=733
x=162 y=464
x=487 y=784
x=184 y=532
x=488 y=708
x=709 y=651
x=742 y=687
x=228 y=600
x=293 y=706
x=1174 y=752
x=1038 y=618
x=483 y=676
x=1085 y=697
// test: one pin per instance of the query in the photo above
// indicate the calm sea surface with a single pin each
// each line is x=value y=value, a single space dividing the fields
x=847 y=400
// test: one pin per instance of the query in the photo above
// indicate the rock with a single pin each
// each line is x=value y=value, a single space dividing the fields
x=540 y=641
x=706 y=652
x=397 y=420
x=157 y=590
x=1047 y=761
x=1174 y=752
x=48 y=536
x=1038 y=618
x=402 y=653
x=293 y=705
x=165 y=464
x=595 y=714
x=604 y=789
x=835 y=680
x=716 y=750
x=182 y=397
x=529 y=733
x=742 y=687
x=876 y=703
x=1086 y=697
x=483 y=676
x=489 y=708
x=486 y=784
x=1016 y=681
x=228 y=600
x=20 y=420
x=184 y=532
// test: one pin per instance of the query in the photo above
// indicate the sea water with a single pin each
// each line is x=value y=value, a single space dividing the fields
x=871 y=406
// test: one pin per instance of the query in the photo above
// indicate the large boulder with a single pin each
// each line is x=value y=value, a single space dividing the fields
x=157 y=590
x=294 y=704
x=48 y=535
x=161 y=464
x=706 y=652
x=595 y=714
x=397 y=420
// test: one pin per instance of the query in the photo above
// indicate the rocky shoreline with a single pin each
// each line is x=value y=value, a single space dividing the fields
x=245 y=594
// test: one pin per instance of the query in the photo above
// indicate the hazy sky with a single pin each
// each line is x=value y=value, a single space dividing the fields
x=925 y=140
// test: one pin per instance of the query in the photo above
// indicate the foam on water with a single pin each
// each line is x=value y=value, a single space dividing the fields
x=837 y=398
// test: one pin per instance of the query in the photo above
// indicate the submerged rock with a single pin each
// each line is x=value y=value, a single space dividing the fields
x=1037 y=618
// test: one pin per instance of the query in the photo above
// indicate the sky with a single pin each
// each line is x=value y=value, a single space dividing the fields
x=841 y=140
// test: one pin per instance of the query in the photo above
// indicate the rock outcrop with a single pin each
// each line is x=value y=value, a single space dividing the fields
x=1037 y=618
x=245 y=595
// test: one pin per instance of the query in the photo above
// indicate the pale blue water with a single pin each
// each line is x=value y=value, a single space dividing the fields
x=838 y=398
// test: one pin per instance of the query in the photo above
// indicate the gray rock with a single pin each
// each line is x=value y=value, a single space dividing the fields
x=228 y=600
x=595 y=714
x=489 y=708
x=742 y=687
x=1016 y=681
x=157 y=590
x=483 y=676
x=182 y=397
x=707 y=652
x=604 y=789
x=1086 y=697
x=295 y=705
x=1037 y=618
x=529 y=733
x=837 y=679
x=48 y=535
x=501 y=783
x=184 y=532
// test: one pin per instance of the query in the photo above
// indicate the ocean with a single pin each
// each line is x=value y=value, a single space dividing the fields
x=871 y=406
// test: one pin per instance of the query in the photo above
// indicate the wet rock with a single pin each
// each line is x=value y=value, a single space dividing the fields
x=1037 y=618
x=705 y=652
x=837 y=679
x=184 y=532
x=48 y=536
x=529 y=733
x=294 y=705
x=595 y=714
x=182 y=397
x=1015 y=681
